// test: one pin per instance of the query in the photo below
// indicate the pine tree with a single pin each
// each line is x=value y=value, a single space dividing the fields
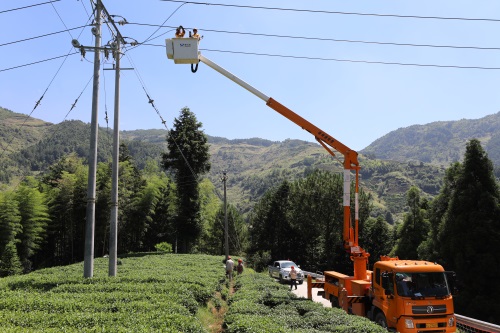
x=188 y=159
x=470 y=235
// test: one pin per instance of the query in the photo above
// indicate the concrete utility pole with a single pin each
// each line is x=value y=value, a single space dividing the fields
x=88 y=269
x=226 y=231
x=113 y=224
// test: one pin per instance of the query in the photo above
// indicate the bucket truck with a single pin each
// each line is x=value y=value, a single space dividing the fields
x=401 y=295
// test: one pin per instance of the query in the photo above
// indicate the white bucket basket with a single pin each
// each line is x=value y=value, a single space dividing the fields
x=182 y=50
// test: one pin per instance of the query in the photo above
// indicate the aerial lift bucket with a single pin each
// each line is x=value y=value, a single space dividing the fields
x=182 y=50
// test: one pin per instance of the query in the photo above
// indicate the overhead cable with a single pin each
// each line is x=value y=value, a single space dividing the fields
x=19 y=8
x=40 y=36
x=344 y=60
x=354 y=61
x=149 y=38
x=336 y=40
x=37 y=62
x=339 y=12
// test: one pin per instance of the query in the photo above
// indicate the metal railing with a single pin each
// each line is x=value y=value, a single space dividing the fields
x=470 y=325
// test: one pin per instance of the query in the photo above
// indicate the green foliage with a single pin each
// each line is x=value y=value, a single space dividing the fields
x=439 y=142
x=155 y=293
x=237 y=232
x=9 y=261
x=303 y=221
x=33 y=211
x=262 y=305
x=260 y=260
x=469 y=230
x=414 y=230
x=10 y=219
x=187 y=158
x=164 y=247
x=376 y=238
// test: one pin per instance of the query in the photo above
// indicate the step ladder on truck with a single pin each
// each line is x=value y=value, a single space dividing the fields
x=401 y=295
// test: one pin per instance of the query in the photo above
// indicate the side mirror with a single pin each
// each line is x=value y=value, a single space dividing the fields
x=451 y=277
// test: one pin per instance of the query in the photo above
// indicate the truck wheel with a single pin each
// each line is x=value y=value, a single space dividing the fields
x=301 y=281
x=380 y=320
x=335 y=301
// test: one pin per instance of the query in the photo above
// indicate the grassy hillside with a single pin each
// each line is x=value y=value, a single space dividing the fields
x=162 y=293
x=253 y=165
x=438 y=143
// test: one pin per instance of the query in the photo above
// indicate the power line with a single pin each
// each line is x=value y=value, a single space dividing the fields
x=339 y=12
x=344 y=60
x=149 y=38
x=41 y=36
x=19 y=8
x=354 y=61
x=37 y=62
x=336 y=40
x=60 y=18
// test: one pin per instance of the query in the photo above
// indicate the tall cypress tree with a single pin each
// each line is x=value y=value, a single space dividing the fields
x=188 y=159
x=470 y=235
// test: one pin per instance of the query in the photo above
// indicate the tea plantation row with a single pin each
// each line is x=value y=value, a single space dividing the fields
x=159 y=293
x=261 y=305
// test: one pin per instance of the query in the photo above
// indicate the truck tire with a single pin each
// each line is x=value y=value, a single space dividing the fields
x=380 y=319
x=301 y=281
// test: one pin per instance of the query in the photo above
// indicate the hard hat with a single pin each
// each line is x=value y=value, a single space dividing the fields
x=239 y=260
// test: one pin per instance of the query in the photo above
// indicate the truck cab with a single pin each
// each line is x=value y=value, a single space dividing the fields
x=412 y=296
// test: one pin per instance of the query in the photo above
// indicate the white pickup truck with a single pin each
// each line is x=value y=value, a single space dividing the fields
x=281 y=270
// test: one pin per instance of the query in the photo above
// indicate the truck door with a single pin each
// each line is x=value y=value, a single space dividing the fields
x=389 y=303
x=276 y=271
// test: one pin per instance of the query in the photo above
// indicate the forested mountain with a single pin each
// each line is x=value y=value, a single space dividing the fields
x=441 y=142
x=254 y=165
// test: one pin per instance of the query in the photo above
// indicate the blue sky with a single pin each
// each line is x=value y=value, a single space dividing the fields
x=354 y=102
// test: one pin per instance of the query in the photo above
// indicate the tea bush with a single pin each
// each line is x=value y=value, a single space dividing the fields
x=151 y=293
x=262 y=305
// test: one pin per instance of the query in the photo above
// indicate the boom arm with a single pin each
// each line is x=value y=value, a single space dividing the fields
x=326 y=140
x=350 y=233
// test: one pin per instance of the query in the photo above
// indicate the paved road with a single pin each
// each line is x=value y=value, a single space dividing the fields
x=302 y=292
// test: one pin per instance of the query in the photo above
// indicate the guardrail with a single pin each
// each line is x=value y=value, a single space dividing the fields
x=314 y=275
x=470 y=325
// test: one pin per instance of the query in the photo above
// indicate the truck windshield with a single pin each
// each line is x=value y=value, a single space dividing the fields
x=422 y=284
x=288 y=264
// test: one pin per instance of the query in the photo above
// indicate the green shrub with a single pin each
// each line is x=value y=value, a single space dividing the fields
x=164 y=247
x=263 y=305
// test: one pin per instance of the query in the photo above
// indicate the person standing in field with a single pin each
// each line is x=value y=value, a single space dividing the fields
x=239 y=268
x=293 y=278
x=229 y=268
